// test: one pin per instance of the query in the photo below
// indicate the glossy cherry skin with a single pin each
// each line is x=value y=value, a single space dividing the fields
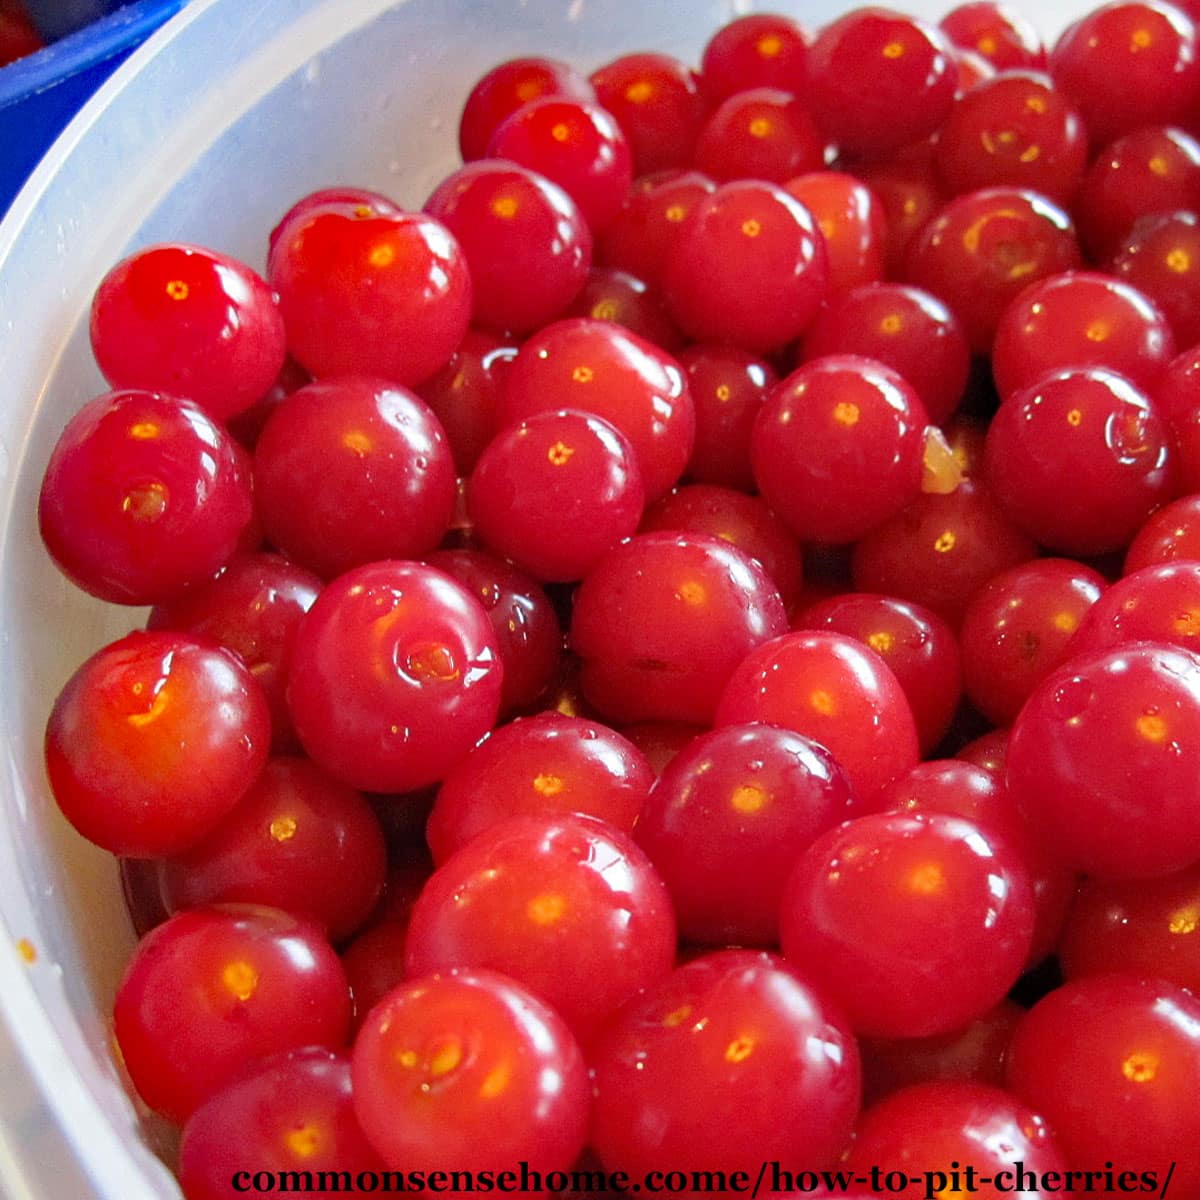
x=298 y=841
x=396 y=675
x=1079 y=460
x=1156 y=604
x=1152 y=170
x=541 y=765
x=189 y=322
x=1128 y=65
x=143 y=497
x=1017 y=629
x=1081 y=319
x=211 y=989
x=918 y=646
x=972 y=70
x=679 y=1073
x=915 y=925
x=1161 y=257
x=612 y=295
x=999 y=32
x=1146 y=927
x=600 y=368
x=1140 y=703
x=940 y=550
x=656 y=100
x=728 y=387
x=1111 y=1064
x=837 y=448
x=528 y=634
x=663 y=621
x=372 y=204
x=904 y=328
x=661 y=741
x=153 y=740
x=385 y=294
x=290 y=1112
x=984 y=248
x=526 y=243
x=577 y=145
x=254 y=608
x=763 y=133
x=566 y=904
x=747 y=240
x=463 y=394
x=555 y=492
x=974 y=1054
x=989 y=751
x=743 y=521
x=508 y=87
x=388 y=486
x=641 y=235
x=374 y=965
x=1015 y=130
x=471 y=1069
x=920 y=1131
x=851 y=221
x=879 y=80
x=726 y=821
x=1171 y=534
x=762 y=50
x=834 y=690
x=911 y=194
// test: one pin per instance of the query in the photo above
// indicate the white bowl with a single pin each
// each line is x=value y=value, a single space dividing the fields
x=226 y=116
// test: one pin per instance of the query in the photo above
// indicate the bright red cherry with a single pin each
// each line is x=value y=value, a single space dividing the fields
x=1161 y=257
x=759 y=134
x=726 y=821
x=946 y=1129
x=762 y=50
x=743 y=521
x=1017 y=629
x=1136 y=704
x=663 y=621
x=918 y=646
x=565 y=904
x=1079 y=460
x=598 y=367
x=189 y=322
x=1146 y=927
x=1111 y=1063
x=523 y=619
x=526 y=243
x=834 y=690
x=1015 y=130
x=211 y=990
x=612 y=295
x=539 y=765
x=298 y=841
x=143 y=497
x=577 y=145
x=837 y=448
x=850 y=218
x=910 y=192
x=396 y=675
x=1170 y=535
x=915 y=925
x=657 y=103
x=746 y=241
x=984 y=248
x=904 y=328
x=154 y=740
x=679 y=1074
x=469 y=1069
x=972 y=70
x=1128 y=65
x=364 y=292
x=254 y=608
x=1080 y=319
x=388 y=485
x=555 y=492
x=990 y=751
x=1156 y=604
x=879 y=80
x=291 y=1112
x=999 y=32
x=508 y=87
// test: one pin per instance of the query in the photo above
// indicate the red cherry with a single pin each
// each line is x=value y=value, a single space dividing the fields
x=997 y=31
x=763 y=133
x=1170 y=535
x=1161 y=257
x=1156 y=604
x=762 y=50
x=612 y=295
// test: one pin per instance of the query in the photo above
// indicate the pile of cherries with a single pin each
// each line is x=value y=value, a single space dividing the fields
x=492 y=786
